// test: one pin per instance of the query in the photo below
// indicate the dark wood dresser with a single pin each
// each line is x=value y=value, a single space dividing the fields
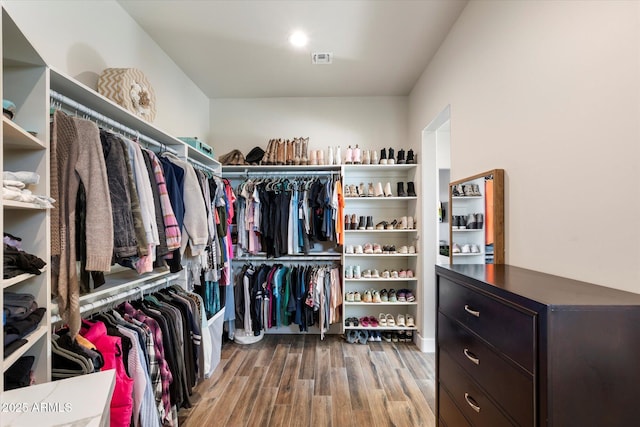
x=517 y=347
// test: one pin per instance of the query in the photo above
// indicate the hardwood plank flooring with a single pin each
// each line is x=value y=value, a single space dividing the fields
x=300 y=380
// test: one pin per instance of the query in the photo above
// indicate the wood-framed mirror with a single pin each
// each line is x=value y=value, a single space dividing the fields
x=476 y=219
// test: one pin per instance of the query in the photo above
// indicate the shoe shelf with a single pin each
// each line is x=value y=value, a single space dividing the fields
x=468 y=254
x=462 y=230
x=380 y=255
x=372 y=199
x=413 y=230
x=383 y=328
x=371 y=304
x=466 y=197
x=378 y=167
x=279 y=168
x=380 y=279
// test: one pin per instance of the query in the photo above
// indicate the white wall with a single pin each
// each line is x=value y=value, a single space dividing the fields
x=82 y=38
x=550 y=92
x=371 y=122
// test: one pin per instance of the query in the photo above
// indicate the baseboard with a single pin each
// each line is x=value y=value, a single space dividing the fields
x=426 y=345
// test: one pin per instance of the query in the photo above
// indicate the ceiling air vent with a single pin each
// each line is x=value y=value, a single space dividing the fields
x=321 y=58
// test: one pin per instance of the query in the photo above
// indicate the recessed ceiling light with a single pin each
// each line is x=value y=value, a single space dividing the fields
x=298 y=39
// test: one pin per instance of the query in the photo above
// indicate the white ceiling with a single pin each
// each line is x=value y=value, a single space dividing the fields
x=239 y=48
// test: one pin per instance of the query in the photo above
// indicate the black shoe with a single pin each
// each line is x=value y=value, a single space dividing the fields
x=411 y=190
x=361 y=225
x=462 y=222
x=369 y=223
x=401 y=192
x=479 y=221
x=455 y=222
x=454 y=191
x=410 y=159
x=401 y=160
x=391 y=160
x=383 y=156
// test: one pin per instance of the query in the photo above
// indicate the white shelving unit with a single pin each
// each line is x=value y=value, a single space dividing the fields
x=381 y=209
x=463 y=206
x=29 y=83
x=25 y=147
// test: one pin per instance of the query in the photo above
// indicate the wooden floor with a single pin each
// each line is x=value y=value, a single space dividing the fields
x=299 y=380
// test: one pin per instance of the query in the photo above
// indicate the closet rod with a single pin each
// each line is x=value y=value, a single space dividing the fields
x=203 y=166
x=296 y=258
x=138 y=292
x=106 y=120
x=302 y=174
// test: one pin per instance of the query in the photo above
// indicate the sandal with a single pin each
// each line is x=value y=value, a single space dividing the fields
x=364 y=321
x=373 y=322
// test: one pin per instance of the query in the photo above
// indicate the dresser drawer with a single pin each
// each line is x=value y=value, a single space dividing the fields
x=509 y=385
x=448 y=412
x=507 y=328
x=472 y=401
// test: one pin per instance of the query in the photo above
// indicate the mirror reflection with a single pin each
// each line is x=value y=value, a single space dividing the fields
x=476 y=219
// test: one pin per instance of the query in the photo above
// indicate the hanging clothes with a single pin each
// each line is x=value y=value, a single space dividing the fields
x=76 y=157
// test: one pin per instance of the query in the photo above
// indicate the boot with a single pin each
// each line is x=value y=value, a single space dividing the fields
x=289 y=154
x=296 y=151
x=390 y=159
x=401 y=160
x=410 y=159
x=357 y=158
x=347 y=222
x=401 y=192
x=330 y=156
x=369 y=225
x=374 y=157
x=320 y=157
x=378 y=191
x=313 y=158
x=479 y=221
x=387 y=190
x=354 y=222
x=361 y=192
x=361 y=224
x=267 y=154
x=370 y=191
x=411 y=189
x=348 y=156
x=366 y=158
x=337 y=157
x=280 y=153
x=304 y=142
x=383 y=156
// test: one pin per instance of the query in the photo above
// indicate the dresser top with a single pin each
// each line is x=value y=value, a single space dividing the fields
x=506 y=280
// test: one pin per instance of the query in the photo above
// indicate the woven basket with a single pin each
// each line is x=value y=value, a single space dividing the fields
x=129 y=88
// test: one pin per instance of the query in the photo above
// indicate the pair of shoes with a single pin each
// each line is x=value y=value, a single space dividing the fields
x=351 y=322
x=411 y=189
x=349 y=298
x=405 y=274
x=386 y=336
x=468 y=249
x=389 y=249
x=357 y=249
x=352 y=336
x=384 y=160
x=368 y=248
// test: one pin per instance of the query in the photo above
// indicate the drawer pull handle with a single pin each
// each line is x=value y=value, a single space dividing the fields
x=471 y=402
x=471 y=356
x=470 y=311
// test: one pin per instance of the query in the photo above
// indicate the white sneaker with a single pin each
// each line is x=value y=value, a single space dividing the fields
x=466 y=248
x=410 y=223
x=412 y=249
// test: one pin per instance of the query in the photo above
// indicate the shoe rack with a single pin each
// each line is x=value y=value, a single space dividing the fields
x=378 y=203
x=476 y=219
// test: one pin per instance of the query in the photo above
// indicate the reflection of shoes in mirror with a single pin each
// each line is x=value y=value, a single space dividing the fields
x=456 y=248
x=476 y=190
x=466 y=248
x=475 y=249
x=479 y=221
x=471 y=221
